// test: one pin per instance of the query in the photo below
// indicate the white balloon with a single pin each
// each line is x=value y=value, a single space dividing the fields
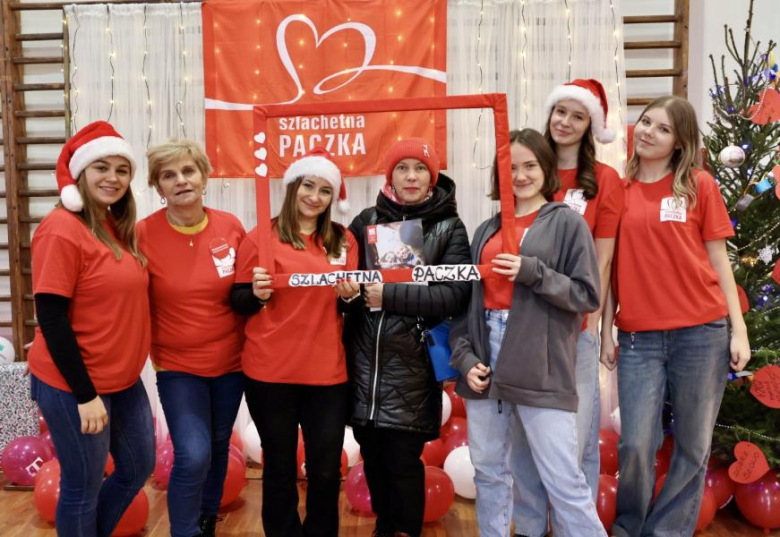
x=615 y=418
x=458 y=466
x=7 y=352
x=252 y=446
x=446 y=407
x=351 y=447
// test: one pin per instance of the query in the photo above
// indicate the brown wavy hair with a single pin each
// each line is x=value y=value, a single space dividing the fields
x=534 y=141
x=122 y=214
x=586 y=160
x=331 y=235
x=686 y=155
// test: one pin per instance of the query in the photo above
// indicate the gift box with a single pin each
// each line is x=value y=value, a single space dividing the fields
x=18 y=413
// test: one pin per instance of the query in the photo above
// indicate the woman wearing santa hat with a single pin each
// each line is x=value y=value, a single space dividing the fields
x=577 y=118
x=196 y=336
x=396 y=400
x=90 y=286
x=293 y=359
x=679 y=319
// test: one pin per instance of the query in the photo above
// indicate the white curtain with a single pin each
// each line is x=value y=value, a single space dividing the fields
x=518 y=47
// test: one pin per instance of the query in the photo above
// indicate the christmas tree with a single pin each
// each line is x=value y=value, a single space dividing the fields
x=742 y=152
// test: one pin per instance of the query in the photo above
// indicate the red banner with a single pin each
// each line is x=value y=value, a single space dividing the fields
x=266 y=52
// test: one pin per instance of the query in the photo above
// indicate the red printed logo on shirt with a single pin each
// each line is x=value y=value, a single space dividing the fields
x=674 y=210
x=224 y=256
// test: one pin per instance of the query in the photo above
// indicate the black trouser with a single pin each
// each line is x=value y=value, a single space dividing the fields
x=277 y=409
x=395 y=475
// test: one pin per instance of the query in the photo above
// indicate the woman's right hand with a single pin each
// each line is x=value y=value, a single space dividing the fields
x=478 y=377
x=609 y=353
x=261 y=283
x=93 y=416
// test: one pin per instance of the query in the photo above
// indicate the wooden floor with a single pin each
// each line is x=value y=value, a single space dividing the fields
x=18 y=518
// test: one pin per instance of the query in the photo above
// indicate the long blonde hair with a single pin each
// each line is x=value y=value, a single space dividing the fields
x=686 y=155
x=121 y=213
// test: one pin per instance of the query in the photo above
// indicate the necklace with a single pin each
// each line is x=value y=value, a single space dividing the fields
x=188 y=230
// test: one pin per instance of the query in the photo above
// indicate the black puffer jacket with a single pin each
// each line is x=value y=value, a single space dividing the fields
x=391 y=377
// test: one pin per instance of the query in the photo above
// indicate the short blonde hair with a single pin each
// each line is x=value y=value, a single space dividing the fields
x=173 y=150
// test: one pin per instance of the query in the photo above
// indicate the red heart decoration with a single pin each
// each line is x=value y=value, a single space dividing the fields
x=768 y=108
x=776 y=271
x=751 y=463
x=743 y=299
x=766 y=386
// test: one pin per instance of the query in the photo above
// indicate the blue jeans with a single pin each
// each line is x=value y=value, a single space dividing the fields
x=200 y=412
x=531 y=501
x=88 y=505
x=692 y=364
x=541 y=441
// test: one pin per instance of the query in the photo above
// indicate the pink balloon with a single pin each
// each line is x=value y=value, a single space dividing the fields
x=48 y=469
x=46 y=437
x=23 y=457
x=356 y=490
x=164 y=464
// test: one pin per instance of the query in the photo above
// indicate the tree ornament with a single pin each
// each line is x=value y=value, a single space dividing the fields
x=743 y=202
x=732 y=156
x=766 y=254
x=751 y=463
x=749 y=260
x=763 y=185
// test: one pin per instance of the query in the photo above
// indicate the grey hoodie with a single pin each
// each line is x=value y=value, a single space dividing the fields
x=558 y=282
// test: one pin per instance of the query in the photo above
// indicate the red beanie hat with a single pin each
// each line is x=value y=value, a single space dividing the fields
x=590 y=93
x=93 y=142
x=320 y=164
x=412 y=148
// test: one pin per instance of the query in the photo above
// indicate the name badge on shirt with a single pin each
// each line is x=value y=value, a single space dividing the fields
x=674 y=210
x=575 y=198
x=224 y=257
x=341 y=259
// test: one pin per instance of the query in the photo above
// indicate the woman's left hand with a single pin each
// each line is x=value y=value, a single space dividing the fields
x=508 y=265
x=347 y=289
x=373 y=295
x=740 y=351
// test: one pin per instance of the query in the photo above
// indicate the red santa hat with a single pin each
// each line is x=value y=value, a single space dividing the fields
x=320 y=164
x=416 y=148
x=93 y=142
x=590 y=93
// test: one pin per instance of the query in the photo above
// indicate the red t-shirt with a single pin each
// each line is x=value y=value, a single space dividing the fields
x=296 y=337
x=194 y=329
x=498 y=291
x=664 y=279
x=109 y=304
x=602 y=213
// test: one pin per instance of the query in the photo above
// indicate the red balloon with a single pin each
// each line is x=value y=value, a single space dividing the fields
x=134 y=519
x=608 y=451
x=164 y=464
x=721 y=485
x=605 y=503
x=301 y=458
x=759 y=502
x=668 y=445
x=46 y=437
x=235 y=440
x=47 y=492
x=233 y=451
x=439 y=493
x=708 y=504
x=49 y=468
x=455 y=440
x=356 y=490
x=344 y=463
x=235 y=481
x=455 y=425
x=42 y=426
x=109 y=465
x=662 y=461
x=458 y=406
x=434 y=453
x=23 y=457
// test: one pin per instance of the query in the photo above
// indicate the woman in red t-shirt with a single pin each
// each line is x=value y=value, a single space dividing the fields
x=577 y=118
x=679 y=317
x=196 y=336
x=293 y=359
x=89 y=283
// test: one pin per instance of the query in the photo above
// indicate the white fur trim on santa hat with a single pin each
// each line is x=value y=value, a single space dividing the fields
x=317 y=166
x=105 y=146
x=71 y=198
x=597 y=121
